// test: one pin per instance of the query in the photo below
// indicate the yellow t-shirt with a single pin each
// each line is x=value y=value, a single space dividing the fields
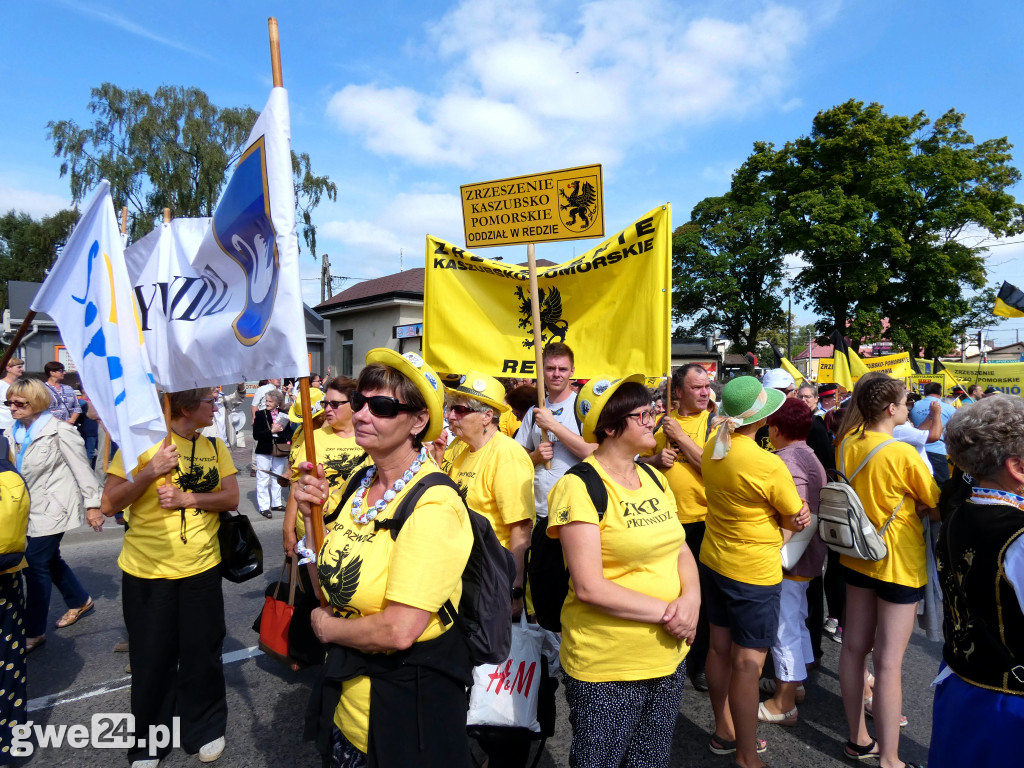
x=152 y=547
x=685 y=480
x=508 y=423
x=361 y=571
x=640 y=542
x=894 y=471
x=745 y=491
x=498 y=480
x=340 y=456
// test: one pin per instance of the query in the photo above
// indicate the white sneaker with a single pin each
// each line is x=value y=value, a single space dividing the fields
x=210 y=752
x=831 y=625
x=146 y=763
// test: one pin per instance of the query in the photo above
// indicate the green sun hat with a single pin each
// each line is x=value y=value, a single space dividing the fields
x=745 y=398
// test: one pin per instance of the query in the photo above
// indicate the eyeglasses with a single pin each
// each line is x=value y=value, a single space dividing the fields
x=211 y=400
x=16 y=403
x=380 y=405
x=460 y=410
x=335 y=404
x=643 y=417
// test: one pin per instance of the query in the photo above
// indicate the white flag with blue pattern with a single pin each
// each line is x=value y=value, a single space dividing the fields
x=89 y=296
x=220 y=299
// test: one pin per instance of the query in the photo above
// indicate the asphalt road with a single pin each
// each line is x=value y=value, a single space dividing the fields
x=77 y=675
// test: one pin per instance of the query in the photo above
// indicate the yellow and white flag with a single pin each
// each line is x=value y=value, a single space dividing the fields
x=611 y=305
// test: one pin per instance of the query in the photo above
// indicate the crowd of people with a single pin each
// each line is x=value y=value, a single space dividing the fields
x=684 y=519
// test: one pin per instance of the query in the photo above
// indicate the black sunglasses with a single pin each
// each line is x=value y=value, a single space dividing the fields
x=334 y=404
x=384 y=407
x=15 y=403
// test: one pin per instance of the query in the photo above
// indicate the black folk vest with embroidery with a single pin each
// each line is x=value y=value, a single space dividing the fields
x=983 y=623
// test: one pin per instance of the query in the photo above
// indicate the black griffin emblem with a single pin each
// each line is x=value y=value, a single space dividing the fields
x=340 y=581
x=580 y=208
x=342 y=467
x=198 y=481
x=552 y=326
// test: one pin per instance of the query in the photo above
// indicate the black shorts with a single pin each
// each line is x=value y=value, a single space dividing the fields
x=750 y=611
x=884 y=590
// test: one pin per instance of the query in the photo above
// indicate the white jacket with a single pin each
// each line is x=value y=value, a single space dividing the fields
x=61 y=484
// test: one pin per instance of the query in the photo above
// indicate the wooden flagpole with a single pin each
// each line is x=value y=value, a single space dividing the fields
x=538 y=351
x=13 y=346
x=167 y=397
x=307 y=417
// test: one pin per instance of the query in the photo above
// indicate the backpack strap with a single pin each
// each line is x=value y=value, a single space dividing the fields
x=595 y=486
x=876 y=449
x=350 y=487
x=446 y=613
x=653 y=475
x=408 y=504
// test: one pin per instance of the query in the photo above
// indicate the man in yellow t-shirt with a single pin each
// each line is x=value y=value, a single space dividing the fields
x=680 y=442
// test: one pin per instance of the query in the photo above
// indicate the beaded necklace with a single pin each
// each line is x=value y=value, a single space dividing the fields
x=357 y=498
x=993 y=496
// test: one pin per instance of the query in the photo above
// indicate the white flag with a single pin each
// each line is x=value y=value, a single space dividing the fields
x=89 y=296
x=220 y=299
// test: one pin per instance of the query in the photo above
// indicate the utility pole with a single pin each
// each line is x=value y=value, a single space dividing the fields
x=325 y=278
x=789 y=329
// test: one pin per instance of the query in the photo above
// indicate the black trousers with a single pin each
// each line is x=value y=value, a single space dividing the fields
x=175 y=635
x=698 y=654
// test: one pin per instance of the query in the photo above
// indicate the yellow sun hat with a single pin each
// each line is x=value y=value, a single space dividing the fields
x=425 y=379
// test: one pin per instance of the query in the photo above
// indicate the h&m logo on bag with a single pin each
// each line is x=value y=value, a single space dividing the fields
x=504 y=682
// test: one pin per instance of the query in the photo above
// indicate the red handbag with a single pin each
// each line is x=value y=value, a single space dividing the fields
x=276 y=617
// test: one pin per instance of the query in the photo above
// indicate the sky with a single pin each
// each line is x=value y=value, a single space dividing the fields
x=401 y=102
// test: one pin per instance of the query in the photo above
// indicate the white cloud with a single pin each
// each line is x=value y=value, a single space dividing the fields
x=36 y=204
x=517 y=78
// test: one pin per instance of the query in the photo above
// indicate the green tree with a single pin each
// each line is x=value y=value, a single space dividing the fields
x=727 y=271
x=169 y=149
x=877 y=205
x=29 y=247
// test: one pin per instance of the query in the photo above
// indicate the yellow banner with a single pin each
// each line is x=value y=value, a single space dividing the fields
x=897 y=366
x=611 y=305
x=1006 y=377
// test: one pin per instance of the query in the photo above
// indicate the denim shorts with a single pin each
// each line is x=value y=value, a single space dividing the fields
x=750 y=611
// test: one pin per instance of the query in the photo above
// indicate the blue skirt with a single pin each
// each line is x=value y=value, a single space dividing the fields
x=973 y=726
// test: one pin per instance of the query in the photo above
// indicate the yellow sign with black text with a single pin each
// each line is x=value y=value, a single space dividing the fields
x=611 y=305
x=558 y=205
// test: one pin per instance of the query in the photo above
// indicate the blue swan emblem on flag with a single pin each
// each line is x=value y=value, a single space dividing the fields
x=243 y=229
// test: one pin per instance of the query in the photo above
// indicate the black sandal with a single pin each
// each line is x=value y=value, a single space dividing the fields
x=858 y=752
x=267 y=514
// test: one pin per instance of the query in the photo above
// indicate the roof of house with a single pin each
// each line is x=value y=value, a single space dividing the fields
x=401 y=285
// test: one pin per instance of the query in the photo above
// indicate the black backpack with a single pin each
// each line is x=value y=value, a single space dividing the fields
x=545 y=561
x=484 y=612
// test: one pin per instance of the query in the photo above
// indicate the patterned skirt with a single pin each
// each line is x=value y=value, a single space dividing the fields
x=12 y=659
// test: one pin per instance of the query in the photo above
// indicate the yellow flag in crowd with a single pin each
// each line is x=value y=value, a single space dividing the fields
x=791 y=369
x=857 y=367
x=611 y=305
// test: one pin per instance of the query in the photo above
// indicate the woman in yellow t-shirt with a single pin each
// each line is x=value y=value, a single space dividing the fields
x=882 y=597
x=171 y=592
x=393 y=650
x=335 y=445
x=634 y=593
x=751 y=496
x=493 y=468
